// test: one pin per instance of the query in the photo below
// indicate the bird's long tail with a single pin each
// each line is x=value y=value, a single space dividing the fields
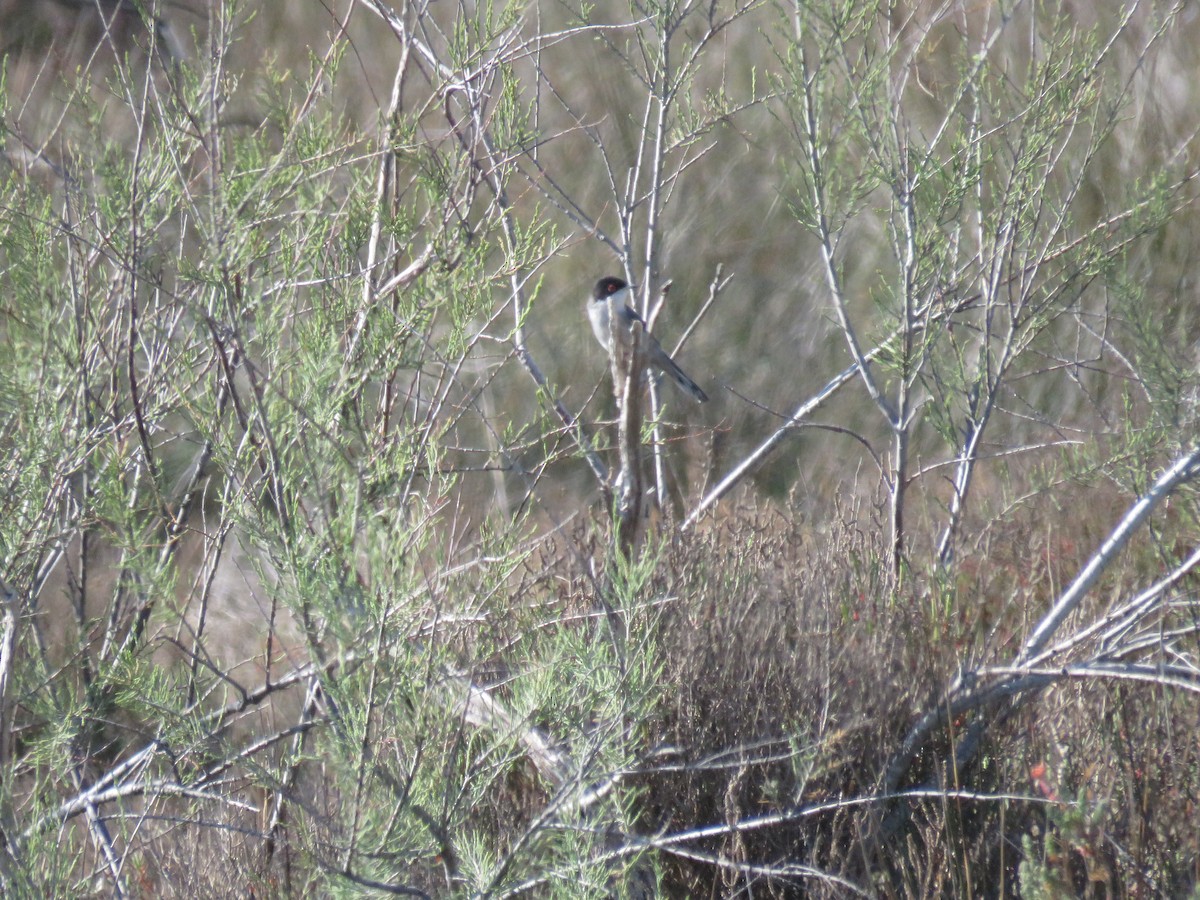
x=658 y=356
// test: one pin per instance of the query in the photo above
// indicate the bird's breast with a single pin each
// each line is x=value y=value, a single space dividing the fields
x=598 y=315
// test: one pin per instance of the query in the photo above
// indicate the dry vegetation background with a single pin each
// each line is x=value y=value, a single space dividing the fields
x=316 y=577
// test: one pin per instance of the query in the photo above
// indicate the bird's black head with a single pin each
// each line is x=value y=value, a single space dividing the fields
x=606 y=287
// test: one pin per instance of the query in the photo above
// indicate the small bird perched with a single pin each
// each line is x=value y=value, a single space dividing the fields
x=139 y=11
x=611 y=296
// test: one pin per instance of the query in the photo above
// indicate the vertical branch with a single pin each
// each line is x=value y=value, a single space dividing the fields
x=8 y=642
x=898 y=419
x=383 y=191
x=662 y=80
x=810 y=135
x=628 y=365
x=964 y=467
x=908 y=328
x=277 y=818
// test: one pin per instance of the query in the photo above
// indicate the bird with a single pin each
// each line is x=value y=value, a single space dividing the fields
x=167 y=43
x=611 y=296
